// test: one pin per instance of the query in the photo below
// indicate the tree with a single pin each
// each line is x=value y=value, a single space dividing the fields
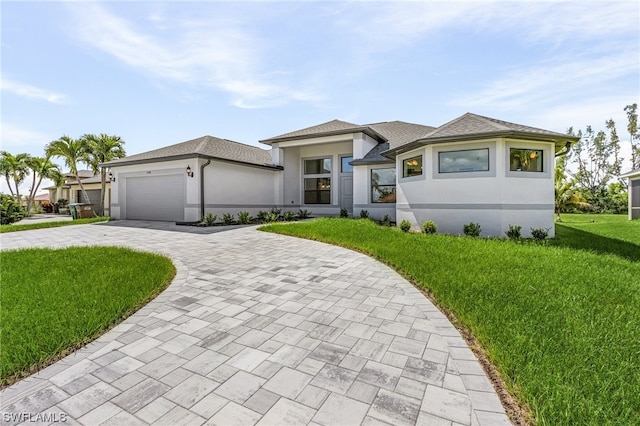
x=41 y=168
x=73 y=151
x=632 y=127
x=14 y=167
x=101 y=149
x=598 y=160
x=567 y=195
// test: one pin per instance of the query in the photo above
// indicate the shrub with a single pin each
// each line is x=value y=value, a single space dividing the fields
x=405 y=225
x=244 y=218
x=288 y=216
x=364 y=214
x=10 y=210
x=472 y=229
x=271 y=217
x=276 y=211
x=539 y=234
x=227 y=219
x=429 y=227
x=210 y=219
x=514 y=232
x=261 y=215
x=386 y=220
x=344 y=213
x=303 y=214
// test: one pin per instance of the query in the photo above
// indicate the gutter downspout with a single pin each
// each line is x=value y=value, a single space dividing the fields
x=565 y=151
x=202 y=188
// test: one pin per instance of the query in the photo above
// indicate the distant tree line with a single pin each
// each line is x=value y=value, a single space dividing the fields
x=586 y=179
x=90 y=149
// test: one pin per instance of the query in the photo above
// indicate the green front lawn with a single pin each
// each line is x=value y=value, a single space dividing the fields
x=14 y=227
x=560 y=321
x=55 y=301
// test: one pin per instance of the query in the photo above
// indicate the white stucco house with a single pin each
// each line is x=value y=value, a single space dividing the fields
x=471 y=169
x=634 y=193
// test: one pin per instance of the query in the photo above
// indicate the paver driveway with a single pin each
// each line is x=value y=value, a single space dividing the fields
x=261 y=329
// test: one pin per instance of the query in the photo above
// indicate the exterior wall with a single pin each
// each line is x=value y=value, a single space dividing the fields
x=292 y=175
x=232 y=188
x=175 y=167
x=495 y=198
x=634 y=197
x=362 y=194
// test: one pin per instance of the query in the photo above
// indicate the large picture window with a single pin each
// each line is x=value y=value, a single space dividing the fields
x=468 y=160
x=317 y=181
x=412 y=166
x=383 y=185
x=525 y=160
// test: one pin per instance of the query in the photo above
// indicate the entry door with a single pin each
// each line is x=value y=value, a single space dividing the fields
x=346 y=193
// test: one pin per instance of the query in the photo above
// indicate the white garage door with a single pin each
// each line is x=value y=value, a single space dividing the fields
x=155 y=198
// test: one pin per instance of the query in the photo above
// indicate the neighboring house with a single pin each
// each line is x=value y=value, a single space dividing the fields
x=634 y=193
x=472 y=169
x=71 y=192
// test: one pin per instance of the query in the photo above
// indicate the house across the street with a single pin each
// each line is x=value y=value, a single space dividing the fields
x=471 y=169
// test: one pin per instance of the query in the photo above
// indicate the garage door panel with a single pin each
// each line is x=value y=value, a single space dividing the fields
x=155 y=198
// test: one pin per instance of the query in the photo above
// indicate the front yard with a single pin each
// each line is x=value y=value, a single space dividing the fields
x=560 y=321
x=55 y=301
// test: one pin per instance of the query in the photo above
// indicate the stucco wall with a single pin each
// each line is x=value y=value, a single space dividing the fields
x=495 y=198
x=362 y=194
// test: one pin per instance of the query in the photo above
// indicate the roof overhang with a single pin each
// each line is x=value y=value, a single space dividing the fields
x=120 y=163
x=559 y=141
x=631 y=174
x=362 y=129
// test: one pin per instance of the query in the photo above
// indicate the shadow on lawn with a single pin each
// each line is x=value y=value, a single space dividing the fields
x=577 y=239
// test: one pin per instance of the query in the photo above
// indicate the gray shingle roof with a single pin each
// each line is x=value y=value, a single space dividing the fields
x=375 y=155
x=206 y=146
x=470 y=126
x=400 y=132
x=330 y=128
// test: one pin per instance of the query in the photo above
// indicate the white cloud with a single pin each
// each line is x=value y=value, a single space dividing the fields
x=31 y=92
x=216 y=53
x=16 y=139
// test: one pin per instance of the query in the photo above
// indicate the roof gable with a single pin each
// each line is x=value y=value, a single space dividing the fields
x=328 y=128
x=399 y=133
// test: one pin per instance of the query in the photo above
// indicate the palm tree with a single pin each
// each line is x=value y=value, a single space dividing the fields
x=14 y=167
x=41 y=168
x=101 y=149
x=568 y=197
x=73 y=151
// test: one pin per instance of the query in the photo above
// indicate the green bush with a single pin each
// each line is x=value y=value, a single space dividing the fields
x=344 y=213
x=386 y=220
x=364 y=214
x=210 y=219
x=271 y=217
x=303 y=214
x=227 y=219
x=10 y=210
x=405 y=225
x=288 y=216
x=277 y=212
x=429 y=227
x=472 y=229
x=539 y=234
x=514 y=232
x=244 y=218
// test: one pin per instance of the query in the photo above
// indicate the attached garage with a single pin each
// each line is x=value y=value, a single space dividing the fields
x=158 y=197
x=94 y=197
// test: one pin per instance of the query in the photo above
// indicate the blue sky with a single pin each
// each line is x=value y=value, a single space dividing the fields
x=162 y=73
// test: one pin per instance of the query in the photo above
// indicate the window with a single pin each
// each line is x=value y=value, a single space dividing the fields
x=317 y=181
x=412 y=166
x=345 y=167
x=468 y=160
x=525 y=160
x=383 y=185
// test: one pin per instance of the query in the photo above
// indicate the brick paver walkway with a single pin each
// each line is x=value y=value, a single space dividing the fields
x=259 y=329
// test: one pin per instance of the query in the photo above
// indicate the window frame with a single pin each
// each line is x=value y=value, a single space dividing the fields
x=488 y=167
x=342 y=158
x=394 y=185
x=404 y=167
x=528 y=151
x=327 y=175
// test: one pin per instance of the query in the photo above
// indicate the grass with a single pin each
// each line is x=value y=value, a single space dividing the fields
x=27 y=226
x=561 y=323
x=55 y=301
